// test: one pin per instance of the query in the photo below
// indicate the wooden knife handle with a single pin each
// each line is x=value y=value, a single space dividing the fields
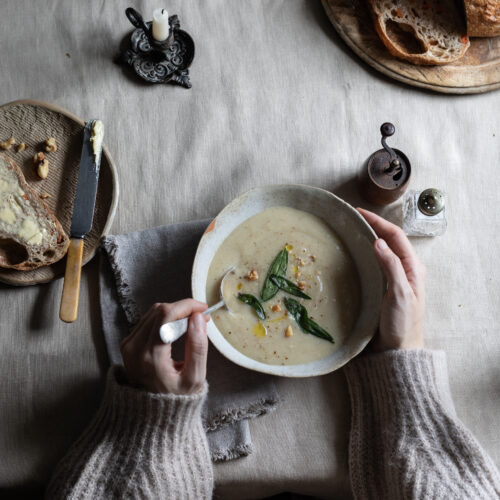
x=71 y=288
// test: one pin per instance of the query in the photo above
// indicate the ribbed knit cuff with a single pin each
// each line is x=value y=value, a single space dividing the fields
x=405 y=442
x=385 y=379
x=139 y=445
x=148 y=407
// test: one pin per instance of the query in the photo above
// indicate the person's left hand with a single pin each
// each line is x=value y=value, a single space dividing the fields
x=148 y=361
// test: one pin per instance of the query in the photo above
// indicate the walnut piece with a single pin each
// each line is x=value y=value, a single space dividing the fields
x=38 y=158
x=41 y=164
x=42 y=169
x=252 y=275
x=21 y=147
x=288 y=332
x=50 y=145
x=301 y=285
x=276 y=308
x=313 y=257
x=5 y=145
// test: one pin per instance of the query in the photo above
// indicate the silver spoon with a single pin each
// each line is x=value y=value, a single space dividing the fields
x=170 y=332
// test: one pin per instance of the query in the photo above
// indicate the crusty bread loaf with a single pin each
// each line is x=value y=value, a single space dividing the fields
x=30 y=235
x=483 y=17
x=426 y=32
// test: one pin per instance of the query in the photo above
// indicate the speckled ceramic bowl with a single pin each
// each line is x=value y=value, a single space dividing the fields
x=349 y=226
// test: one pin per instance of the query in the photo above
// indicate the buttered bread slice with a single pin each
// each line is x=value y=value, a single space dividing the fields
x=30 y=235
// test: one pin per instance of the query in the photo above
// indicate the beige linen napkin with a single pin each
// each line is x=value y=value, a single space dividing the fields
x=141 y=268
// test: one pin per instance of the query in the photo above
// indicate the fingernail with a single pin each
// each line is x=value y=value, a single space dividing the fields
x=381 y=245
x=199 y=321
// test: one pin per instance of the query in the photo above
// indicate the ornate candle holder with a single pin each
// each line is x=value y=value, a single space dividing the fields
x=159 y=62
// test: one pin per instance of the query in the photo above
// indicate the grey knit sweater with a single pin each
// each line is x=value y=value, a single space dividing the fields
x=139 y=445
x=406 y=441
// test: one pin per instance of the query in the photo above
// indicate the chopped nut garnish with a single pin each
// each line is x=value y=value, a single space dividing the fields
x=301 y=285
x=288 y=331
x=50 y=145
x=21 y=147
x=313 y=257
x=252 y=275
x=42 y=169
x=5 y=145
x=44 y=196
x=300 y=262
x=276 y=308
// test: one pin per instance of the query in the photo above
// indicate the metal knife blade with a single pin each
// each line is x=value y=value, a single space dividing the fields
x=86 y=189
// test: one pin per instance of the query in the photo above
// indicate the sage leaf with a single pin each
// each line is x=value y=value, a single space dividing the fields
x=254 y=303
x=278 y=267
x=307 y=325
x=287 y=286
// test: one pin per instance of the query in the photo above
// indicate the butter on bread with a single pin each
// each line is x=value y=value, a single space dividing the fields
x=30 y=234
x=425 y=32
x=483 y=17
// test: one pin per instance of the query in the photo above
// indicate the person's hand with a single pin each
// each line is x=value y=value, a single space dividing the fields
x=401 y=319
x=148 y=361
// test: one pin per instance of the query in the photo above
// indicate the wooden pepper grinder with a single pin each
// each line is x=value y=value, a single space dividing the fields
x=386 y=173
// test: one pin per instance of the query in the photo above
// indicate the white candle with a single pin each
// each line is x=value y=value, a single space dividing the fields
x=161 y=27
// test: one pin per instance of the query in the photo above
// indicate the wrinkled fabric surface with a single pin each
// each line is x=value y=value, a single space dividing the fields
x=155 y=266
x=277 y=97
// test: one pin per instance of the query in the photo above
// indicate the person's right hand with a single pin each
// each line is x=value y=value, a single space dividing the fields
x=402 y=315
x=148 y=361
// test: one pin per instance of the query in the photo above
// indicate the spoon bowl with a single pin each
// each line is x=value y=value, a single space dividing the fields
x=173 y=330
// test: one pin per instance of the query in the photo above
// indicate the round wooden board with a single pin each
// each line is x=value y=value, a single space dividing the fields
x=478 y=71
x=32 y=122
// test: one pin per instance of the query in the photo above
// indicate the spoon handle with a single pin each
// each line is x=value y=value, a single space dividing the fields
x=170 y=332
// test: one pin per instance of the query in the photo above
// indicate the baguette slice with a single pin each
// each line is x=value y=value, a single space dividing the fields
x=426 y=32
x=30 y=235
x=483 y=17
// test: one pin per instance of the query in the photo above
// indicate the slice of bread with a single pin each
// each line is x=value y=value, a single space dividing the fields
x=426 y=32
x=30 y=235
x=483 y=17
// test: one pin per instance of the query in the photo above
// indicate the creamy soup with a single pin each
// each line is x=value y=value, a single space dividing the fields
x=319 y=265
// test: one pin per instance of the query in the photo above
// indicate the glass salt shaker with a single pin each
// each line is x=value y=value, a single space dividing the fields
x=424 y=213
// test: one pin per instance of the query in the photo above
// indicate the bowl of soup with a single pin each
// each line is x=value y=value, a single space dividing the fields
x=305 y=290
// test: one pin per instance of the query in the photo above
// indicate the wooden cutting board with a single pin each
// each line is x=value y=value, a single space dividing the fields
x=478 y=71
x=32 y=122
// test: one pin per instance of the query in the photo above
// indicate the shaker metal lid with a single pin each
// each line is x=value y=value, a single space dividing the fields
x=431 y=201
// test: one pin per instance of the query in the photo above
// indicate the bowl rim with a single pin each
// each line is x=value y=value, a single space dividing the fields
x=250 y=363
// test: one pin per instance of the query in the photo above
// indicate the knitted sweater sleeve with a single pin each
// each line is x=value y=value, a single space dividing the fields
x=139 y=445
x=406 y=441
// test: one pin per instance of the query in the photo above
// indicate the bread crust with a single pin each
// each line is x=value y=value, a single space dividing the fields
x=381 y=16
x=483 y=17
x=57 y=252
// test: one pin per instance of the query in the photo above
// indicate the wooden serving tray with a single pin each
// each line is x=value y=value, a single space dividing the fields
x=478 y=71
x=32 y=122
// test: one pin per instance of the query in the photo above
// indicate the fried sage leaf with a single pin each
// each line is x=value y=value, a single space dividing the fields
x=288 y=286
x=307 y=325
x=278 y=267
x=254 y=303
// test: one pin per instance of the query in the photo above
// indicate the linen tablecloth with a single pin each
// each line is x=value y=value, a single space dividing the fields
x=276 y=98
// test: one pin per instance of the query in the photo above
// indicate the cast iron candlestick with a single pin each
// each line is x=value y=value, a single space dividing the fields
x=159 y=62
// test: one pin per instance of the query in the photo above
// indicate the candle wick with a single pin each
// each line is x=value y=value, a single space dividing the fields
x=163 y=11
